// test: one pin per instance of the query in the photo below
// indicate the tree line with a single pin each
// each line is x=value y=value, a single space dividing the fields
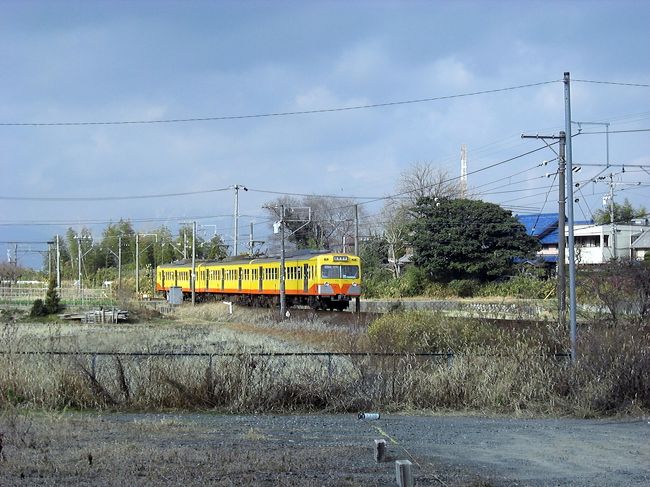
x=434 y=230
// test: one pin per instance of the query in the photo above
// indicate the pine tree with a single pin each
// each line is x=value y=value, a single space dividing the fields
x=52 y=300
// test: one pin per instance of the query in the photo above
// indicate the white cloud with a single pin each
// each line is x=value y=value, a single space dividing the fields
x=363 y=61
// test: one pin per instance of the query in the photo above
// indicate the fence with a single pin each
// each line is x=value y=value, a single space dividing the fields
x=27 y=293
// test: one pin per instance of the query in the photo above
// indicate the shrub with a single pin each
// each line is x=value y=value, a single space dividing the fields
x=464 y=288
x=425 y=331
x=520 y=286
x=38 y=309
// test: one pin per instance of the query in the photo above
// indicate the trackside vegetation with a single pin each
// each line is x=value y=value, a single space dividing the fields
x=481 y=367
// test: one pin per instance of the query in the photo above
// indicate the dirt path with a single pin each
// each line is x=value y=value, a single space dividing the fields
x=200 y=449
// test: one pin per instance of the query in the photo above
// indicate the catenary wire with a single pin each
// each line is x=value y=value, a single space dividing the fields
x=278 y=114
x=616 y=83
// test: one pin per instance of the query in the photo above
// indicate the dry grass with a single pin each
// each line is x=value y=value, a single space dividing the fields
x=510 y=373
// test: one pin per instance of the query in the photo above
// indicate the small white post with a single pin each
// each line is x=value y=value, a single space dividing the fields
x=380 y=450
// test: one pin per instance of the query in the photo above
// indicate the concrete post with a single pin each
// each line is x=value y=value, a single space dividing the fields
x=403 y=473
x=380 y=451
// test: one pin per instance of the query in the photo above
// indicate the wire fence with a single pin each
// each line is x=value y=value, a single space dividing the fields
x=436 y=358
x=20 y=293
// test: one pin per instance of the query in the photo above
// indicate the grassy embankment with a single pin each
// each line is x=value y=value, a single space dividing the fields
x=492 y=370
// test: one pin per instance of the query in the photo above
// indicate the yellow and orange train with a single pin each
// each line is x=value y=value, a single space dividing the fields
x=321 y=280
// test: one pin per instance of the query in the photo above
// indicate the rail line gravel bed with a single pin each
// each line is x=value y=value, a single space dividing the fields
x=306 y=450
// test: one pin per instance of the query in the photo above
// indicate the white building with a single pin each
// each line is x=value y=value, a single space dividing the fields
x=594 y=243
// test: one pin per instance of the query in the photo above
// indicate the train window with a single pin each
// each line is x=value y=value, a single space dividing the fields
x=330 y=272
x=349 y=271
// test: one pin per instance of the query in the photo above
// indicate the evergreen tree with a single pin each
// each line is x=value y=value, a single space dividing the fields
x=467 y=239
x=52 y=300
x=623 y=213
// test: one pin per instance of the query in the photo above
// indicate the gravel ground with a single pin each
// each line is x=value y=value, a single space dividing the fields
x=305 y=450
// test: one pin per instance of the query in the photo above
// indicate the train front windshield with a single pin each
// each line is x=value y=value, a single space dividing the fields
x=339 y=272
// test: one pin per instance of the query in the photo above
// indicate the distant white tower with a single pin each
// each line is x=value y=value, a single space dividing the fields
x=463 y=171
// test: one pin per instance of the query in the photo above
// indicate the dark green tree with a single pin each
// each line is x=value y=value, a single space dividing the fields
x=623 y=213
x=466 y=239
x=214 y=249
x=52 y=300
x=373 y=253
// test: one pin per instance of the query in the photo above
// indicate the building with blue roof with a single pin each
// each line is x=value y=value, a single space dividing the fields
x=594 y=244
x=544 y=226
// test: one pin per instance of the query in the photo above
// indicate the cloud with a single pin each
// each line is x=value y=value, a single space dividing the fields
x=363 y=62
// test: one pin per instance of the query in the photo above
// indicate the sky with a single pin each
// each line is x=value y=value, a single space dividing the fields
x=64 y=64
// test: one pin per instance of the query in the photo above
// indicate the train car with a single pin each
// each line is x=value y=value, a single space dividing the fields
x=321 y=280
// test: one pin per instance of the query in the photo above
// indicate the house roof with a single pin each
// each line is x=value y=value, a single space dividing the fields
x=551 y=238
x=643 y=241
x=541 y=225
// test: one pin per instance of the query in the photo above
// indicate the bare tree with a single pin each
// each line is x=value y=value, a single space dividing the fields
x=395 y=233
x=10 y=272
x=423 y=179
x=317 y=221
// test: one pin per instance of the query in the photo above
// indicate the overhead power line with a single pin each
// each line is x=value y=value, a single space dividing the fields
x=490 y=166
x=107 y=222
x=276 y=114
x=615 y=131
x=638 y=85
x=108 y=198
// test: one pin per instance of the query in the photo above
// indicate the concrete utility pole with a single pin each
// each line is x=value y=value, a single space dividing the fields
x=193 y=277
x=569 y=185
x=58 y=264
x=79 y=238
x=119 y=259
x=283 y=292
x=137 y=257
x=356 y=229
x=236 y=187
x=612 y=220
x=561 y=277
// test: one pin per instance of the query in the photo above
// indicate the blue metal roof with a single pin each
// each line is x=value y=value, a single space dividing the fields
x=551 y=238
x=541 y=224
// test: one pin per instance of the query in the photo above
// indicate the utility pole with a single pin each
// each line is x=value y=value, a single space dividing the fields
x=236 y=187
x=612 y=220
x=193 y=277
x=561 y=278
x=569 y=185
x=119 y=261
x=137 y=257
x=58 y=264
x=250 y=240
x=283 y=292
x=137 y=264
x=356 y=229
x=79 y=238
